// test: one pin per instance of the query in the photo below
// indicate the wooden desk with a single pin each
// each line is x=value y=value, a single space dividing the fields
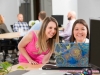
x=61 y=28
x=30 y=67
x=27 y=66
x=10 y=35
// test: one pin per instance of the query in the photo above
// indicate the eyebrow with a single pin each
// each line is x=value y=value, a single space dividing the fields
x=78 y=27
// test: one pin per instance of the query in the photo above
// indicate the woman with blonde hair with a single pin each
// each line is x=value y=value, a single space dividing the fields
x=37 y=46
x=2 y=24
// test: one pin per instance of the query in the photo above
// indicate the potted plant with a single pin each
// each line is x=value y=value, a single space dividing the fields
x=4 y=68
x=32 y=22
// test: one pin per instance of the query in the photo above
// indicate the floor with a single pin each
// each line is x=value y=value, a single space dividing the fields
x=11 y=58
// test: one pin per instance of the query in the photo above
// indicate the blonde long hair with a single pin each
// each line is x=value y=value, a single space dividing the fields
x=42 y=43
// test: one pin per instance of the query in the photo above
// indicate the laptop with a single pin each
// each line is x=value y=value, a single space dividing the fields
x=70 y=56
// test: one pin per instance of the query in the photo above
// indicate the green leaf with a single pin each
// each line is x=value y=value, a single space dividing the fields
x=5 y=65
x=1 y=70
x=33 y=23
x=20 y=67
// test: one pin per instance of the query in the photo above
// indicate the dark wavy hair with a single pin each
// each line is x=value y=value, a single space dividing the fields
x=80 y=21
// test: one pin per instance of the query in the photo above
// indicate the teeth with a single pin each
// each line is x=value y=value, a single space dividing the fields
x=79 y=35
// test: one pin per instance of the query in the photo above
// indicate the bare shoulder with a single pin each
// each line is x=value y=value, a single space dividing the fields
x=29 y=35
x=36 y=32
x=25 y=40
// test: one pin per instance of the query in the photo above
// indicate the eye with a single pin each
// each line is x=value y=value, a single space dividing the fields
x=50 y=27
x=76 y=29
x=55 y=28
x=83 y=29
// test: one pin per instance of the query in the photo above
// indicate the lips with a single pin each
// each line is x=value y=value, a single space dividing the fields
x=79 y=35
x=52 y=34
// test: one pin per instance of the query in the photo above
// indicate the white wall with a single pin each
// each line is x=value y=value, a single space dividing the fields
x=83 y=8
x=62 y=7
x=9 y=9
x=88 y=9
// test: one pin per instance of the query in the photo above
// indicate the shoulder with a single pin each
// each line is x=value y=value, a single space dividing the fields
x=29 y=35
x=2 y=25
x=72 y=21
x=36 y=26
x=32 y=34
x=39 y=23
x=25 y=22
x=16 y=23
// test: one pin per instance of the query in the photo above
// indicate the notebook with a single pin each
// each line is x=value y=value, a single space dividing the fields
x=72 y=54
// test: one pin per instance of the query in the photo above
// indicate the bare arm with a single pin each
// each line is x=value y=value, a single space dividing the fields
x=46 y=58
x=21 y=46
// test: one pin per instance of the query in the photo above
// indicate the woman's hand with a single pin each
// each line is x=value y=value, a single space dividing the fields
x=32 y=62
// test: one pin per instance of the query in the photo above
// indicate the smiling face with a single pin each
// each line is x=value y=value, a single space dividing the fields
x=51 y=29
x=80 y=32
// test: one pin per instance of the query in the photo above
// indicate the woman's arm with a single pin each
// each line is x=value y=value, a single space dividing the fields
x=46 y=58
x=21 y=46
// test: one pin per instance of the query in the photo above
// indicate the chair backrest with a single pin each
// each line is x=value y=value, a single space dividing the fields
x=11 y=27
x=6 y=42
x=2 y=31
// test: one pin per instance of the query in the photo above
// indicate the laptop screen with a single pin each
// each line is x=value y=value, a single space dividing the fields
x=95 y=42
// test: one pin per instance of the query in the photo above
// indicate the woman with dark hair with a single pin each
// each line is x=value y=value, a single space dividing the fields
x=3 y=29
x=2 y=24
x=80 y=32
x=6 y=42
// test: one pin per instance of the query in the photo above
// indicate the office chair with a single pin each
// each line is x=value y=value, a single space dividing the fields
x=5 y=45
x=11 y=27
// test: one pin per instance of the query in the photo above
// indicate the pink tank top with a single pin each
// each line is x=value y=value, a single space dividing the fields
x=32 y=51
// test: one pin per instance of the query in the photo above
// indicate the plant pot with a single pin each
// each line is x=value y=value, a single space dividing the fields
x=2 y=73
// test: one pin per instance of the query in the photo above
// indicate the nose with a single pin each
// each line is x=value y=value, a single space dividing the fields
x=80 y=31
x=53 y=30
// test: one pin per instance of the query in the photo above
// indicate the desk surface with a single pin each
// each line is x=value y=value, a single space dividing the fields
x=10 y=35
x=61 y=28
x=27 y=66
x=30 y=67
